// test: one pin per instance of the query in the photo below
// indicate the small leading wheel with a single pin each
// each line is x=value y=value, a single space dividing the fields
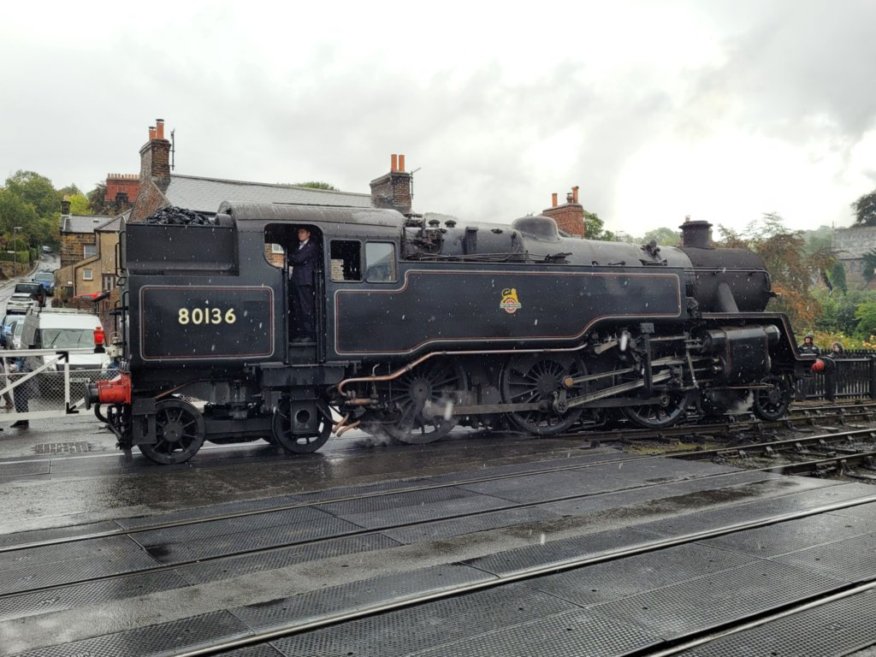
x=670 y=409
x=281 y=430
x=179 y=430
x=536 y=379
x=420 y=398
x=771 y=403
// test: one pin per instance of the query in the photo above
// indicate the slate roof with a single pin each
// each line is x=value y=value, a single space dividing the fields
x=82 y=224
x=205 y=194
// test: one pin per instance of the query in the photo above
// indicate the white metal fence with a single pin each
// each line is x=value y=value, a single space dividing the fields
x=41 y=383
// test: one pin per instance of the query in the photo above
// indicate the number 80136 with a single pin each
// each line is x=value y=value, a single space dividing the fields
x=206 y=316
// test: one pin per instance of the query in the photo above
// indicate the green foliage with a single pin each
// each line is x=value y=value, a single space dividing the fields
x=36 y=190
x=866 y=316
x=594 y=228
x=865 y=209
x=97 y=200
x=869 y=266
x=664 y=236
x=316 y=184
x=838 y=309
x=28 y=201
x=837 y=277
x=79 y=204
x=792 y=269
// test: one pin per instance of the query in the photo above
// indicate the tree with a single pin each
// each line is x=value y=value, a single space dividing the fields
x=79 y=204
x=594 y=228
x=663 y=235
x=792 y=270
x=837 y=277
x=316 y=184
x=866 y=316
x=865 y=209
x=36 y=190
x=97 y=199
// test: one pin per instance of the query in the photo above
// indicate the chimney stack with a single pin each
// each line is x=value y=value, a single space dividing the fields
x=570 y=215
x=65 y=206
x=155 y=157
x=394 y=189
x=696 y=234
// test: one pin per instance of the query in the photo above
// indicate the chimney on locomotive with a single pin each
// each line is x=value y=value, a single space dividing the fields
x=696 y=234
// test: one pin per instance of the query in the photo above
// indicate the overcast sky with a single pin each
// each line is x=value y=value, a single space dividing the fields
x=657 y=110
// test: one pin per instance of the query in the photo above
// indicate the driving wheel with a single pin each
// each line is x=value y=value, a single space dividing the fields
x=670 y=409
x=421 y=401
x=538 y=379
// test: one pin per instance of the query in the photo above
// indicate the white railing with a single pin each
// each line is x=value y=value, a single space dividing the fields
x=41 y=383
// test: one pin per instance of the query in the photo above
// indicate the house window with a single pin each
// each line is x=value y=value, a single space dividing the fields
x=89 y=250
x=277 y=248
x=87 y=274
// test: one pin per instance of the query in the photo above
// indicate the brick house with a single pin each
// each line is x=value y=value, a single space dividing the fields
x=87 y=254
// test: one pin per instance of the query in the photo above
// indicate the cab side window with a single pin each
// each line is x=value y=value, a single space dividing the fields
x=380 y=262
x=346 y=260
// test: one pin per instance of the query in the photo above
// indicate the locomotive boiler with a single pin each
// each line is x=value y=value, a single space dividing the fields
x=423 y=326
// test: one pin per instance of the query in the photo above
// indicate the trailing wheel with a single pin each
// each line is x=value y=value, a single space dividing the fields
x=286 y=416
x=538 y=379
x=179 y=429
x=771 y=403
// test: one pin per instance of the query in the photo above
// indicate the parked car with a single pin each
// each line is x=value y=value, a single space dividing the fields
x=35 y=290
x=10 y=337
x=63 y=328
x=19 y=303
x=47 y=280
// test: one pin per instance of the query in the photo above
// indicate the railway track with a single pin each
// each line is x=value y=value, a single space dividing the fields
x=333 y=620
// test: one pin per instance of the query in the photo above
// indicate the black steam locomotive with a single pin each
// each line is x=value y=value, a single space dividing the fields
x=426 y=325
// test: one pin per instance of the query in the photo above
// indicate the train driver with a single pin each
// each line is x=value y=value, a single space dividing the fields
x=303 y=260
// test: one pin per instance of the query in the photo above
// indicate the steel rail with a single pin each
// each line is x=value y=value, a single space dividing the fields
x=763 y=618
x=697 y=455
x=293 y=628
x=367 y=531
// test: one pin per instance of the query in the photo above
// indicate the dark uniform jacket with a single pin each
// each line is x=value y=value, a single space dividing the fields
x=303 y=261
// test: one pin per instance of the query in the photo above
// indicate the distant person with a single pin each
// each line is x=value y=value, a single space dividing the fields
x=21 y=392
x=836 y=350
x=303 y=260
x=809 y=348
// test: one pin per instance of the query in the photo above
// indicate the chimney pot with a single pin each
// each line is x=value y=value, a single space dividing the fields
x=575 y=193
x=554 y=200
x=393 y=163
x=159 y=128
x=151 y=133
x=401 y=162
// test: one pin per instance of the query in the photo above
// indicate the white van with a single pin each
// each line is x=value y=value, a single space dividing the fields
x=63 y=328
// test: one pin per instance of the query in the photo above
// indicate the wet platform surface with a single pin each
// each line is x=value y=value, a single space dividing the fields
x=155 y=561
